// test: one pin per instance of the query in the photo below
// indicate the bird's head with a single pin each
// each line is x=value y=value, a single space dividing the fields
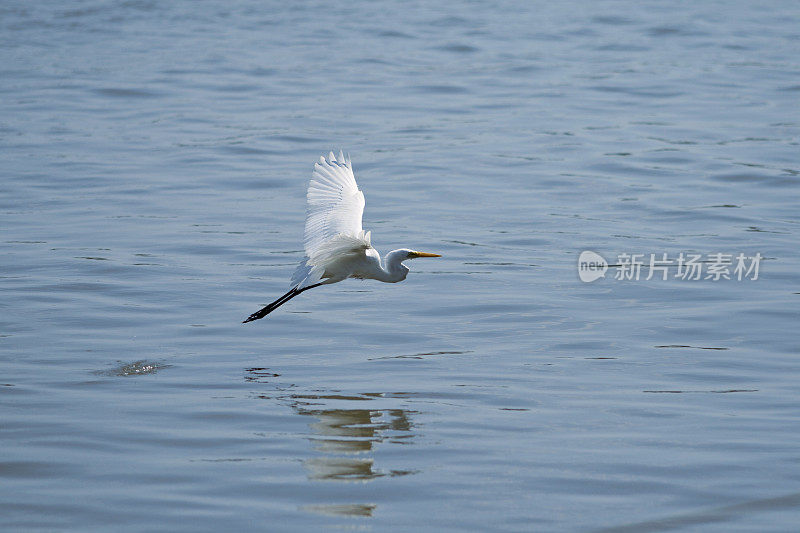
x=395 y=258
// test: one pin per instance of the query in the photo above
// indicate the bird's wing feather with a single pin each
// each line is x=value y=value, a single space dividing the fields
x=333 y=220
x=302 y=275
x=335 y=205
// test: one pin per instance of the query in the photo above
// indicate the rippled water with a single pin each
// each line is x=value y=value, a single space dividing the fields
x=154 y=163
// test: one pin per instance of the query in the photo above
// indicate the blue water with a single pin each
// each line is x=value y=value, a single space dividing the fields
x=153 y=164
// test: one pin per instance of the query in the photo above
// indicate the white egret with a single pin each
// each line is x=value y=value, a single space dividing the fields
x=336 y=246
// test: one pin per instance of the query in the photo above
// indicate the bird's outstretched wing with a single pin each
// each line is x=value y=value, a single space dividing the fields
x=335 y=205
x=333 y=220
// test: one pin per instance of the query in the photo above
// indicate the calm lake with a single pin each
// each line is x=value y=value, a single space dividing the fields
x=154 y=158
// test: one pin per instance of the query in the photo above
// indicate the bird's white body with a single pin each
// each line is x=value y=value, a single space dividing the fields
x=336 y=246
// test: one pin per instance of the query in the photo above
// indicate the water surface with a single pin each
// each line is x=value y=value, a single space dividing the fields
x=154 y=164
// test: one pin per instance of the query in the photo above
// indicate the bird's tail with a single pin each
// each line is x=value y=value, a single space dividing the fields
x=261 y=313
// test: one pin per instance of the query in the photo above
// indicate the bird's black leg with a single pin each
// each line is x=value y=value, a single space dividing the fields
x=261 y=313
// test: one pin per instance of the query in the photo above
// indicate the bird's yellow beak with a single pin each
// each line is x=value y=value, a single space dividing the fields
x=423 y=254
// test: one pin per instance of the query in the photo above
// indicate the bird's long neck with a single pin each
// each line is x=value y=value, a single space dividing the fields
x=392 y=269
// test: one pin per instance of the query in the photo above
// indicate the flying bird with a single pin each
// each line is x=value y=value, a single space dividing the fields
x=336 y=247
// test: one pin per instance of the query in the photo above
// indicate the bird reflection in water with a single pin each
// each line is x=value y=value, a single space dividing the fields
x=345 y=438
x=348 y=509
